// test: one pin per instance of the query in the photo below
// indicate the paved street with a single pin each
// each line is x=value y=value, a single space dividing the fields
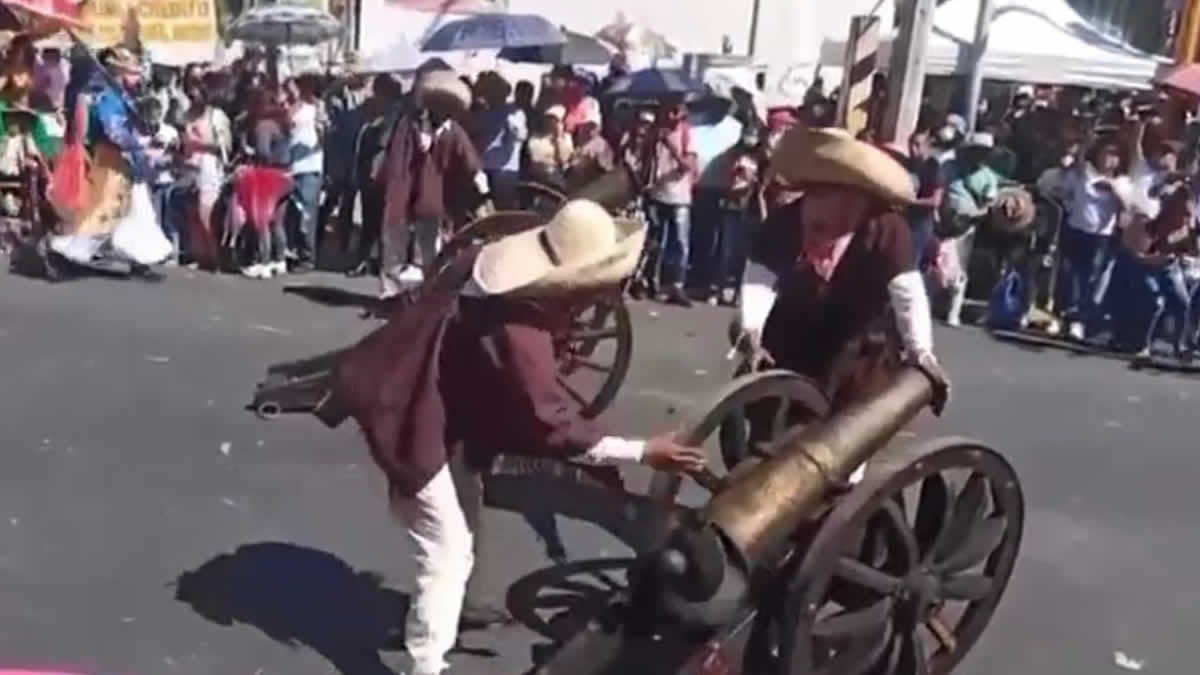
x=149 y=525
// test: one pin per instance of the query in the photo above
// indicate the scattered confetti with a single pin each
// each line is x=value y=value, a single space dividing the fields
x=127 y=619
x=1123 y=661
x=45 y=441
x=209 y=403
x=1134 y=399
x=226 y=447
x=229 y=502
x=701 y=372
x=1113 y=424
x=259 y=444
x=158 y=359
x=653 y=315
x=14 y=521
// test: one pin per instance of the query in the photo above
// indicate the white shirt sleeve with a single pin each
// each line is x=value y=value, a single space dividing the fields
x=910 y=303
x=758 y=297
x=611 y=450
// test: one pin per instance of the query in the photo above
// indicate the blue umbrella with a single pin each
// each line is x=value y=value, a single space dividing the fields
x=494 y=31
x=578 y=49
x=655 y=83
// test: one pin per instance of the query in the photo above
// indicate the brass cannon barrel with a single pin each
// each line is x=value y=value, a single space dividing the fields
x=700 y=576
x=764 y=507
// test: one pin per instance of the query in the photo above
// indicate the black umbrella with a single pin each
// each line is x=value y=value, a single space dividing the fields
x=578 y=49
x=494 y=31
x=654 y=83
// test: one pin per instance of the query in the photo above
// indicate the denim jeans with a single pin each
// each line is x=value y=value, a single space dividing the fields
x=308 y=193
x=1086 y=257
x=272 y=244
x=1136 y=302
x=666 y=264
x=160 y=198
x=731 y=239
x=921 y=228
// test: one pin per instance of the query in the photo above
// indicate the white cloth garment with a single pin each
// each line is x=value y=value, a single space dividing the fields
x=910 y=304
x=443 y=550
x=137 y=236
x=758 y=297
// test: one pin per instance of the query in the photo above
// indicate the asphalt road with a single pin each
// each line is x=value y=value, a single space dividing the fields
x=149 y=525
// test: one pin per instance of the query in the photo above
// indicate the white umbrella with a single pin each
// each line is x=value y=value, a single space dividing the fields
x=285 y=24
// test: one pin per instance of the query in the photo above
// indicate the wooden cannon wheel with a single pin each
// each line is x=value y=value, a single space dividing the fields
x=903 y=574
x=791 y=394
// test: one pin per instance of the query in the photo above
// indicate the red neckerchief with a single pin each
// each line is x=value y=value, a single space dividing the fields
x=824 y=257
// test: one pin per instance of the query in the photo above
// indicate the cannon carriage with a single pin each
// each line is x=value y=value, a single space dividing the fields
x=793 y=568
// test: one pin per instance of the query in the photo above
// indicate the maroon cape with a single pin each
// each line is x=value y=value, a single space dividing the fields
x=451 y=372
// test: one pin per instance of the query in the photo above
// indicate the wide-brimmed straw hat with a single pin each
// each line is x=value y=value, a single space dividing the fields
x=582 y=247
x=831 y=156
x=442 y=88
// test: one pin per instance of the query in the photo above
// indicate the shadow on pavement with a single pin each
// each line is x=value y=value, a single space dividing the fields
x=332 y=296
x=301 y=596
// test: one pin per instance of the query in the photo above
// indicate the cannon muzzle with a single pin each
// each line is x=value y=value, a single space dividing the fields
x=701 y=576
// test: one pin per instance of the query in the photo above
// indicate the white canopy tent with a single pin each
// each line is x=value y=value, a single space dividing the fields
x=1042 y=41
x=1036 y=41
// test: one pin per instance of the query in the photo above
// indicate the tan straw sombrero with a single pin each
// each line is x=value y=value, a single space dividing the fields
x=443 y=88
x=582 y=247
x=830 y=156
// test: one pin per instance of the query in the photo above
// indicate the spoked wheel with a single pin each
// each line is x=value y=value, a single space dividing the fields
x=594 y=357
x=903 y=574
x=748 y=430
x=792 y=393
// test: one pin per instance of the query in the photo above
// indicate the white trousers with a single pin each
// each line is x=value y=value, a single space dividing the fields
x=443 y=547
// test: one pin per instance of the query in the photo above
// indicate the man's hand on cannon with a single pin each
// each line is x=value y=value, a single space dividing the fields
x=929 y=365
x=666 y=454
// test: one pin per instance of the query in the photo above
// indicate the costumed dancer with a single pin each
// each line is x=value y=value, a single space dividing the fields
x=827 y=270
x=430 y=169
x=116 y=210
x=468 y=370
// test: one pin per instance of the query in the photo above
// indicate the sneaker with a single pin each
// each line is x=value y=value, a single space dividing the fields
x=954 y=321
x=677 y=296
x=1075 y=330
x=255 y=271
x=277 y=268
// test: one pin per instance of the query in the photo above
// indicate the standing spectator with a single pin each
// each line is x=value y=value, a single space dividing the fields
x=715 y=133
x=307 y=162
x=1094 y=190
x=523 y=98
x=931 y=187
x=969 y=195
x=669 y=204
x=739 y=211
x=548 y=151
x=593 y=155
x=207 y=140
x=502 y=130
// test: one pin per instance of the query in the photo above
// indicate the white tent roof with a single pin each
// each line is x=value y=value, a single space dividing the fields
x=1042 y=41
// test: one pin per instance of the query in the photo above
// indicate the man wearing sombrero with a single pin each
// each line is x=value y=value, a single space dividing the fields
x=468 y=370
x=431 y=174
x=828 y=269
